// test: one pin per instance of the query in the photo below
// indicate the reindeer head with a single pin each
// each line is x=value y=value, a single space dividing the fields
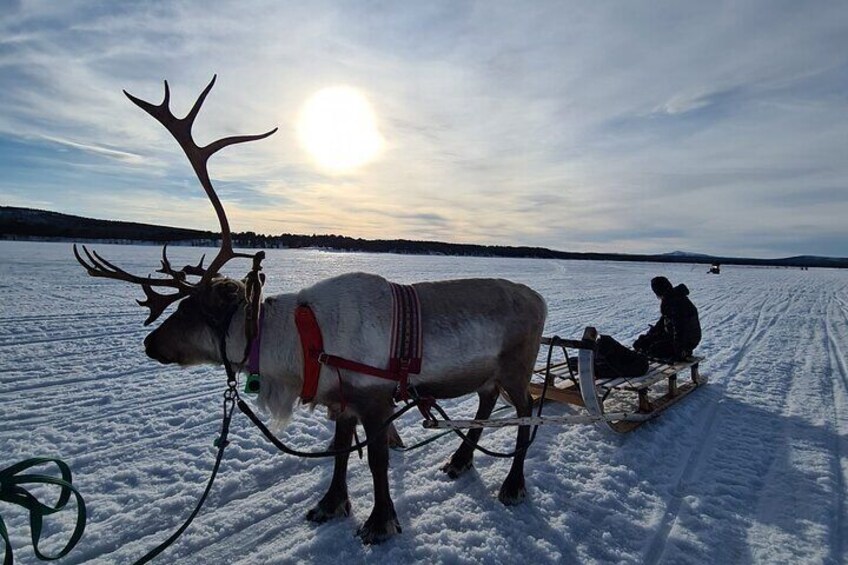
x=192 y=334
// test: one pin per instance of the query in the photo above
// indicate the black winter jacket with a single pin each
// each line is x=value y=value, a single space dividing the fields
x=679 y=319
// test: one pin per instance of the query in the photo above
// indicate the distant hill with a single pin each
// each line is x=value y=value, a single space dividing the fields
x=16 y=223
x=687 y=254
x=30 y=224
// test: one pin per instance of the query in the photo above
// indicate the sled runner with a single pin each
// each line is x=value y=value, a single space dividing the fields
x=610 y=399
x=619 y=403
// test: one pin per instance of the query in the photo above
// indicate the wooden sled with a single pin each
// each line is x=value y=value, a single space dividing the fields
x=604 y=399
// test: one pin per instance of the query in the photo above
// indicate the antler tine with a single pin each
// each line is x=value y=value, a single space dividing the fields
x=97 y=266
x=162 y=112
x=158 y=303
x=195 y=270
x=192 y=114
x=216 y=146
x=180 y=128
x=166 y=266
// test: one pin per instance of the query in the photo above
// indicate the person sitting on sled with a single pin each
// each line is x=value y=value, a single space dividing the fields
x=678 y=331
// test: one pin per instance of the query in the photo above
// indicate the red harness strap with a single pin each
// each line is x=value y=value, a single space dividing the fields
x=313 y=346
x=405 y=353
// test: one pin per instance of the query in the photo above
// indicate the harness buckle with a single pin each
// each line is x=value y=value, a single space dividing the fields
x=323 y=358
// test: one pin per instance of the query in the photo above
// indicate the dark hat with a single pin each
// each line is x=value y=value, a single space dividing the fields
x=661 y=286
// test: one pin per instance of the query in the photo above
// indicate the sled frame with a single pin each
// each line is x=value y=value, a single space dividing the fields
x=591 y=393
x=584 y=390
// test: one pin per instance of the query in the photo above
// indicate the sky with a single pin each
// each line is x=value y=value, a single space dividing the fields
x=638 y=127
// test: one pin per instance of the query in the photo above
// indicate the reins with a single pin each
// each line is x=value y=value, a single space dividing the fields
x=518 y=449
x=221 y=444
x=355 y=446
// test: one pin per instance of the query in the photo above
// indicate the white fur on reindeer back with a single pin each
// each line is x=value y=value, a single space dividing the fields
x=354 y=312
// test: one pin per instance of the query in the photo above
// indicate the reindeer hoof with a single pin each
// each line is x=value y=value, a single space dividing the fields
x=454 y=469
x=324 y=511
x=394 y=439
x=511 y=496
x=376 y=531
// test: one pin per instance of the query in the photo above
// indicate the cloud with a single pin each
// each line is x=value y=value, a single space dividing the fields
x=124 y=156
x=598 y=126
x=681 y=104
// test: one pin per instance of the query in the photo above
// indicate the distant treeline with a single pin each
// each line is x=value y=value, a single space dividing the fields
x=26 y=223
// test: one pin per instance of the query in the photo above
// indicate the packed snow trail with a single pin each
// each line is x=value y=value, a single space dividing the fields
x=749 y=469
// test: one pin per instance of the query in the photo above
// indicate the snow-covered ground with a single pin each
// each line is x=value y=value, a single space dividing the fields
x=751 y=468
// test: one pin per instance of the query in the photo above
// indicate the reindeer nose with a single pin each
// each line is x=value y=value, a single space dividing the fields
x=152 y=351
x=148 y=344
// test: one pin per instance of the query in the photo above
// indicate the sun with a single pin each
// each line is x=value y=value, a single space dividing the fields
x=338 y=128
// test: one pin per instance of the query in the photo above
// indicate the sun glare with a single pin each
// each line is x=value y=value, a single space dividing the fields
x=337 y=127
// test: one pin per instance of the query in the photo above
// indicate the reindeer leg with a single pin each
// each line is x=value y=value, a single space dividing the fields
x=335 y=503
x=512 y=490
x=383 y=522
x=463 y=457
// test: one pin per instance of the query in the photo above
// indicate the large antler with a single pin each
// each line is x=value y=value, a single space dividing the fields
x=180 y=128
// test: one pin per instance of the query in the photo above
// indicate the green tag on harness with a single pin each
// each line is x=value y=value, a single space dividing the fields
x=251 y=384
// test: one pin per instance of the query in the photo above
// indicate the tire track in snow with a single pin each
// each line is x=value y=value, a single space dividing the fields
x=34 y=341
x=38 y=370
x=134 y=406
x=77 y=380
x=833 y=345
x=842 y=305
x=798 y=426
x=256 y=514
x=658 y=544
x=138 y=444
x=65 y=317
x=98 y=353
x=267 y=505
x=836 y=360
x=70 y=424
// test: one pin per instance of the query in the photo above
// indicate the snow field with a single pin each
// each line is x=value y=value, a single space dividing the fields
x=749 y=469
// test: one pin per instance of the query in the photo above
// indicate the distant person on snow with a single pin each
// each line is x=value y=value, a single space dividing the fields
x=678 y=331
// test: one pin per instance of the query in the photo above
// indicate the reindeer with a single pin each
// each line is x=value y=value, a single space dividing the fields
x=479 y=336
